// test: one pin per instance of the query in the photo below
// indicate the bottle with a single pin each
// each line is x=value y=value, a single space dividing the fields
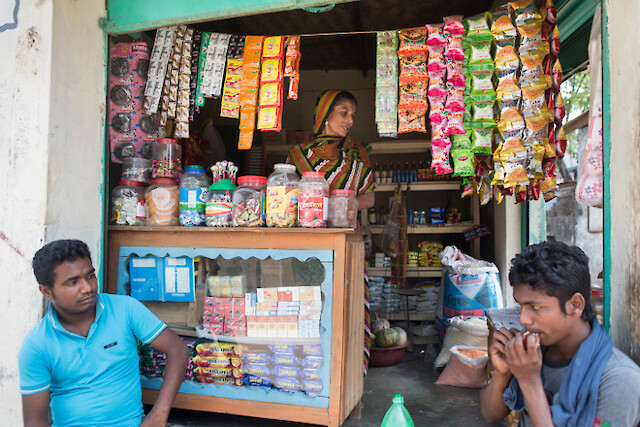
x=248 y=201
x=383 y=173
x=194 y=185
x=282 y=196
x=313 y=200
x=376 y=172
x=397 y=415
x=406 y=173
x=414 y=172
x=219 y=206
x=372 y=216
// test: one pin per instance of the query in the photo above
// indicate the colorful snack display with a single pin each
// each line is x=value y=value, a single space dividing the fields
x=271 y=78
x=249 y=85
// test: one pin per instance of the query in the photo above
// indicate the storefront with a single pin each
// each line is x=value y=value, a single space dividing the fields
x=71 y=161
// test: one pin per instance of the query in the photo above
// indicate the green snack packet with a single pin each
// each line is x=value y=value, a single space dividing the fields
x=463 y=162
x=461 y=142
x=477 y=27
x=483 y=114
x=482 y=82
x=482 y=141
x=480 y=53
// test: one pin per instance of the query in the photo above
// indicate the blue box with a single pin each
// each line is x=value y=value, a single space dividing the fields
x=162 y=279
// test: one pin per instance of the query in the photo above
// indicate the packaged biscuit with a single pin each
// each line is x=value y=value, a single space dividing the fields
x=462 y=162
x=477 y=27
x=412 y=41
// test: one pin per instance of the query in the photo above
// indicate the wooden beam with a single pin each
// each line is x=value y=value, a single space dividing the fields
x=577 y=123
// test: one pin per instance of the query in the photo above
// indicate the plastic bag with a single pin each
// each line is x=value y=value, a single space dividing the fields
x=388 y=240
x=472 y=331
x=467 y=368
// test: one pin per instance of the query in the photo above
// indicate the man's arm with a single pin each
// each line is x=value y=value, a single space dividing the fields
x=177 y=354
x=35 y=409
x=492 y=404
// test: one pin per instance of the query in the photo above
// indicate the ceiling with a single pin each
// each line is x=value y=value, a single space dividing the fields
x=350 y=51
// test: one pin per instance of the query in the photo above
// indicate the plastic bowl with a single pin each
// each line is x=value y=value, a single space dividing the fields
x=387 y=356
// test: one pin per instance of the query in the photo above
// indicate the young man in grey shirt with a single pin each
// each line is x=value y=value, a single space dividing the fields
x=564 y=371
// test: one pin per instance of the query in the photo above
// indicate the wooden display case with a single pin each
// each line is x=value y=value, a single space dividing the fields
x=342 y=318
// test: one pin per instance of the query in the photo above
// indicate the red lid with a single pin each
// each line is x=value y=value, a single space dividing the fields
x=169 y=181
x=313 y=174
x=252 y=180
x=167 y=141
x=138 y=183
x=597 y=292
x=344 y=192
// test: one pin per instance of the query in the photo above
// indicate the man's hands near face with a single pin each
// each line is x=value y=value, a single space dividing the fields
x=517 y=354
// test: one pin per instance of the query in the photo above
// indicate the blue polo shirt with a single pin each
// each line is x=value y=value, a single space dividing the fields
x=94 y=380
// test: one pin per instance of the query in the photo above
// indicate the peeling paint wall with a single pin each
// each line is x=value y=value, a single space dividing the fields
x=52 y=81
x=624 y=39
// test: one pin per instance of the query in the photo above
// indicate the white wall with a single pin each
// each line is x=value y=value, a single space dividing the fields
x=624 y=39
x=51 y=78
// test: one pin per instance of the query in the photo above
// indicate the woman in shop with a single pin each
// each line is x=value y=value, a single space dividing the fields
x=342 y=159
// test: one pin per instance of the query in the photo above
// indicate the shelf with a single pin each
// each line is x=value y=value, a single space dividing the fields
x=399 y=147
x=427 y=229
x=411 y=271
x=401 y=315
x=419 y=186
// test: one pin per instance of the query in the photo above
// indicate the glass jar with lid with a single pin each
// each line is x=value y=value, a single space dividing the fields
x=219 y=206
x=163 y=200
x=136 y=169
x=194 y=186
x=282 y=196
x=128 y=204
x=313 y=200
x=343 y=209
x=166 y=157
x=248 y=201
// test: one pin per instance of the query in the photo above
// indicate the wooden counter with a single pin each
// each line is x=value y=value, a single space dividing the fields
x=347 y=309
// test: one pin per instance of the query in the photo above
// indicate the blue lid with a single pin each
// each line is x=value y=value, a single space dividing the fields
x=194 y=168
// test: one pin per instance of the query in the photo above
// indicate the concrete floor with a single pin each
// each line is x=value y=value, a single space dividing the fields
x=414 y=378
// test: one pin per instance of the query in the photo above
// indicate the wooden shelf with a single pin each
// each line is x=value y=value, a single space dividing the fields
x=426 y=229
x=419 y=186
x=399 y=147
x=411 y=271
x=401 y=315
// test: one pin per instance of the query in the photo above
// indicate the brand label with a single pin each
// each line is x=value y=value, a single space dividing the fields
x=312 y=210
x=282 y=199
x=192 y=199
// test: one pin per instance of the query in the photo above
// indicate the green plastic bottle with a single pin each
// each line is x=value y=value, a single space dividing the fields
x=397 y=415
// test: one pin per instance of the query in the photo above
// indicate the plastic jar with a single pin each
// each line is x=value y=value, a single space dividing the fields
x=128 y=204
x=194 y=186
x=166 y=156
x=219 y=206
x=136 y=169
x=163 y=200
x=313 y=200
x=248 y=201
x=343 y=209
x=282 y=196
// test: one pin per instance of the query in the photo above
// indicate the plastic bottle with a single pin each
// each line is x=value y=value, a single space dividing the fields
x=313 y=200
x=397 y=415
x=194 y=186
x=282 y=196
x=248 y=201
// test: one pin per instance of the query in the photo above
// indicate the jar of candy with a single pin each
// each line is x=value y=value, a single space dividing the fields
x=194 y=186
x=248 y=201
x=166 y=156
x=136 y=169
x=313 y=200
x=163 y=201
x=219 y=206
x=128 y=204
x=282 y=196
x=343 y=209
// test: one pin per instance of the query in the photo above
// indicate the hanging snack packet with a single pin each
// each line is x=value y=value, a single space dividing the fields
x=527 y=15
x=477 y=27
x=455 y=99
x=534 y=99
x=483 y=115
x=513 y=150
x=482 y=141
x=387 y=83
x=413 y=64
x=435 y=36
x=230 y=106
x=532 y=73
x=413 y=90
x=461 y=141
x=436 y=61
x=412 y=41
x=437 y=86
x=534 y=167
x=561 y=142
x=510 y=120
x=453 y=24
x=550 y=14
x=454 y=123
x=556 y=76
x=481 y=82
x=453 y=49
x=462 y=162
x=411 y=118
x=507 y=59
x=515 y=174
x=292 y=56
x=554 y=42
x=440 y=157
x=508 y=88
x=466 y=187
x=502 y=28
x=480 y=53
x=438 y=132
x=455 y=74
x=560 y=110
x=436 y=109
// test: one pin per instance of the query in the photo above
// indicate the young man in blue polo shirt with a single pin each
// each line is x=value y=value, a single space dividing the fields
x=81 y=360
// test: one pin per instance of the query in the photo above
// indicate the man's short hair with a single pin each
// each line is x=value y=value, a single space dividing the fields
x=55 y=253
x=557 y=269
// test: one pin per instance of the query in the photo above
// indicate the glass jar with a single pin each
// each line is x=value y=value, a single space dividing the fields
x=163 y=202
x=219 y=206
x=136 y=169
x=194 y=186
x=343 y=209
x=248 y=201
x=282 y=196
x=313 y=200
x=166 y=156
x=371 y=216
x=128 y=204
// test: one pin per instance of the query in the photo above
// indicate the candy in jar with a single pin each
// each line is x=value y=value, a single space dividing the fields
x=194 y=186
x=313 y=200
x=282 y=196
x=248 y=201
x=343 y=209
x=128 y=204
x=136 y=169
x=219 y=207
x=166 y=158
x=163 y=200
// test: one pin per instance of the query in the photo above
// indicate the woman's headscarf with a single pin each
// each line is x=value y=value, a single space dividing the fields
x=323 y=108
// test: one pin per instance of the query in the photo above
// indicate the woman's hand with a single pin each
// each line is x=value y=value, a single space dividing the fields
x=366 y=201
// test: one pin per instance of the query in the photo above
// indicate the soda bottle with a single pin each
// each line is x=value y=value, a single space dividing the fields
x=397 y=415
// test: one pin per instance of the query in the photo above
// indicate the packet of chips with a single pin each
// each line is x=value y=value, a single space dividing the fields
x=436 y=108
x=411 y=118
x=560 y=110
x=482 y=141
x=440 y=156
x=453 y=49
x=435 y=36
x=412 y=41
x=510 y=120
x=413 y=89
x=437 y=85
x=461 y=141
x=462 y=162
x=453 y=24
x=515 y=174
x=561 y=142
x=454 y=122
x=481 y=82
x=513 y=150
x=482 y=114
x=477 y=27
x=466 y=187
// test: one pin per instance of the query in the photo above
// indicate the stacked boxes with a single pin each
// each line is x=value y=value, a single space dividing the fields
x=225 y=316
x=284 y=312
x=382 y=261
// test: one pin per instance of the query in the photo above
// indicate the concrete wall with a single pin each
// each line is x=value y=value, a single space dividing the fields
x=52 y=79
x=624 y=197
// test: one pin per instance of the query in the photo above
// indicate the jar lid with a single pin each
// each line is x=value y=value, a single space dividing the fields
x=167 y=141
x=223 y=184
x=195 y=168
x=285 y=166
x=169 y=181
x=252 y=179
x=138 y=183
x=344 y=192
x=313 y=174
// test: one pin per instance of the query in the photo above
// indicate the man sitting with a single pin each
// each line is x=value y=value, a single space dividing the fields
x=82 y=358
x=564 y=370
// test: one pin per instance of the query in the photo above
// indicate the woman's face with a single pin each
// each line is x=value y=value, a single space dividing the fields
x=341 y=119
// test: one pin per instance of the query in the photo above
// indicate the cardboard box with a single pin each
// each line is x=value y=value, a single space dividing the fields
x=292 y=327
x=267 y=295
x=310 y=293
x=288 y=293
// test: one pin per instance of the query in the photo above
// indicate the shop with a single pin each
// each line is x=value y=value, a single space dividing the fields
x=512 y=225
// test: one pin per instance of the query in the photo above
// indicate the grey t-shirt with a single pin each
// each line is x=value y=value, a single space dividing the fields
x=618 y=395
